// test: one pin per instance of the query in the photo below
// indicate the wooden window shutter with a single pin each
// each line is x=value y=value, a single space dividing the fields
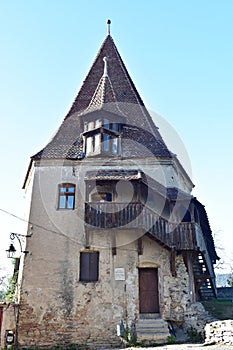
x=89 y=266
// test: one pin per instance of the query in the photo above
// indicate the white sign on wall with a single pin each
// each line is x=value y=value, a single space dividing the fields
x=119 y=274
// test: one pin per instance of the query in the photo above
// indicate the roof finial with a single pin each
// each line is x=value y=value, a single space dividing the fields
x=108 y=23
x=105 y=59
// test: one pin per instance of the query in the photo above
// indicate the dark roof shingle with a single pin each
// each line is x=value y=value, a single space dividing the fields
x=115 y=93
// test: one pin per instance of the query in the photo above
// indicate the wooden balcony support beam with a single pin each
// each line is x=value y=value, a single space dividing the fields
x=173 y=261
x=189 y=258
x=113 y=242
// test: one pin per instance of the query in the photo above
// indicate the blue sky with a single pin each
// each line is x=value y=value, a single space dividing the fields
x=179 y=55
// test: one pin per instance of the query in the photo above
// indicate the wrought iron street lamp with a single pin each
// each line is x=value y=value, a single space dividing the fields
x=11 y=251
x=21 y=238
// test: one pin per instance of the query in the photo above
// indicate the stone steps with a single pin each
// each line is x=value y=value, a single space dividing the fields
x=152 y=330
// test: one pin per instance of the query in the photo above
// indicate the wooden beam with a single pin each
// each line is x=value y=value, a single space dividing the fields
x=113 y=240
x=173 y=262
x=140 y=247
x=87 y=239
x=189 y=258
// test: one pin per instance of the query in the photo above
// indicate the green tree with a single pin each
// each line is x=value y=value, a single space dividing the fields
x=3 y=284
x=12 y=283
x=8 y=284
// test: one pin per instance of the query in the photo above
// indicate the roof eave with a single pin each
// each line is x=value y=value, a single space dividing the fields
x=27 y=174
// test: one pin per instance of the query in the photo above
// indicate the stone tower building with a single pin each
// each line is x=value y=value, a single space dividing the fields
x=118 y=241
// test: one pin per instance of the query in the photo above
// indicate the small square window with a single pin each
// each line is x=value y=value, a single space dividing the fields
x=89 y=266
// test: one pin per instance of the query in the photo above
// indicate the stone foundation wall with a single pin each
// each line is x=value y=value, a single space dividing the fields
x=176 y=293
x=220 y=332
x=178 y=306
x=197 y=317
x=58 y=328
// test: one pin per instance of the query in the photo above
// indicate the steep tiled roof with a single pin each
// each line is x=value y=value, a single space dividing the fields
x=112 y=90
x=123 y=86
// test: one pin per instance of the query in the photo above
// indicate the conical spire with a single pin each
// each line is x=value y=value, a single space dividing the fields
x=107 y=86
x=122 y=84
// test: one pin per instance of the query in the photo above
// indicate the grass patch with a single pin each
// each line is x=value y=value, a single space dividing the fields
x=221 y=309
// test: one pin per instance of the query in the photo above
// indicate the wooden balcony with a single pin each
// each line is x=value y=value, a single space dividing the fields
x=184 y=236
x=107 y=215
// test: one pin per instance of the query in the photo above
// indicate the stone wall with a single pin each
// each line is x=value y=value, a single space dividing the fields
x=178 y=306
x=196 y=317
x=176 y=293
x=219 y=332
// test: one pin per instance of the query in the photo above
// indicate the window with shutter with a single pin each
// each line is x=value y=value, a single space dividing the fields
x=89 y=266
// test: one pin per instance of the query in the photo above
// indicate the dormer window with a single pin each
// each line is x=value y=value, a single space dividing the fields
x=106 y=124
x=114 y=145
x=105 y=142
x=89 y=145
x=97 y=123
x=102 y=137
x=89 y=126
x=115 y=126
x=96 y=142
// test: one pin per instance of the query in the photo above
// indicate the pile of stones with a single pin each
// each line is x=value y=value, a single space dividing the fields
x=219 y=332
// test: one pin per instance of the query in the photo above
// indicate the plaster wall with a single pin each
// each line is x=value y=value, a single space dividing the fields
x=55 y=306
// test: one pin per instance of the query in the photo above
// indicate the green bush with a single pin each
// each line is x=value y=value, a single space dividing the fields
x=194 y=336
x=171 y=339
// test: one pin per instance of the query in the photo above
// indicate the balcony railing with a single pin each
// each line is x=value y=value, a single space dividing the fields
x=179 y=236
x=107 y=215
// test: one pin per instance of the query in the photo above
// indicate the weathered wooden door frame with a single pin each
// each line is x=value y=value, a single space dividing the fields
x=148 y=290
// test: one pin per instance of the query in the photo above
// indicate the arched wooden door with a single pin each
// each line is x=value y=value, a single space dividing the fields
x=148 y=290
